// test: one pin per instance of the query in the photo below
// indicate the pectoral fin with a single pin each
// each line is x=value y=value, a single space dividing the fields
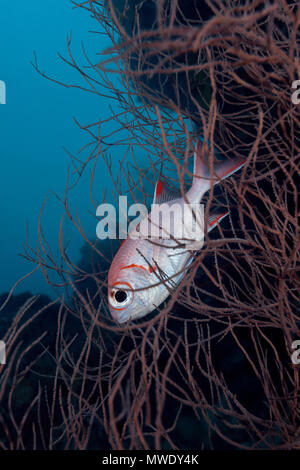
x=214 y=219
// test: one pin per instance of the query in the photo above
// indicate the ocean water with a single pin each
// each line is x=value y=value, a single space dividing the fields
x=37 y=124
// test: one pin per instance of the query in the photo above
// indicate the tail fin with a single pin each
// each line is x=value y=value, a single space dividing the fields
x=202 y=178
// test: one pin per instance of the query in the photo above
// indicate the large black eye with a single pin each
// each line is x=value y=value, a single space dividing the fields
x=121 y=296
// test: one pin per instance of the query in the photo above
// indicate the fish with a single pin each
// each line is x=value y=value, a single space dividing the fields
x=151 y=264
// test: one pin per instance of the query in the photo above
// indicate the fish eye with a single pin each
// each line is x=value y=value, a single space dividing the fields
x=121 y=296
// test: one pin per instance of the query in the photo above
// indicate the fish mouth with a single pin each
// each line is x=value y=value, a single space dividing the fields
x=123 y=319
x=120 y=317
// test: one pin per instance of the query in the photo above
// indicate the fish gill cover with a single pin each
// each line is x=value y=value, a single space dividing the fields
x=212 y=367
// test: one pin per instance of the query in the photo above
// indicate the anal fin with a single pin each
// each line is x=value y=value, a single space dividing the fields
x=214 y=219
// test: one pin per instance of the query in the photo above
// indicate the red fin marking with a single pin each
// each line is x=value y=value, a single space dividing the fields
x=217 y=219
x=159 y=188
x=135 y=266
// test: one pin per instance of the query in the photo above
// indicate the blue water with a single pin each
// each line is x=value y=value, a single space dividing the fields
x=37 y=122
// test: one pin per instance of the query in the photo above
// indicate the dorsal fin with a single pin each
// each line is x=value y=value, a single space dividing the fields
x=163 y=194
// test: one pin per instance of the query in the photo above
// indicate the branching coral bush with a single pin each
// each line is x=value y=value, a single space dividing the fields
x=216 y=357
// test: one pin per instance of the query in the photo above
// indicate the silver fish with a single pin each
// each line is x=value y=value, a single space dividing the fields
x=145 y=270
